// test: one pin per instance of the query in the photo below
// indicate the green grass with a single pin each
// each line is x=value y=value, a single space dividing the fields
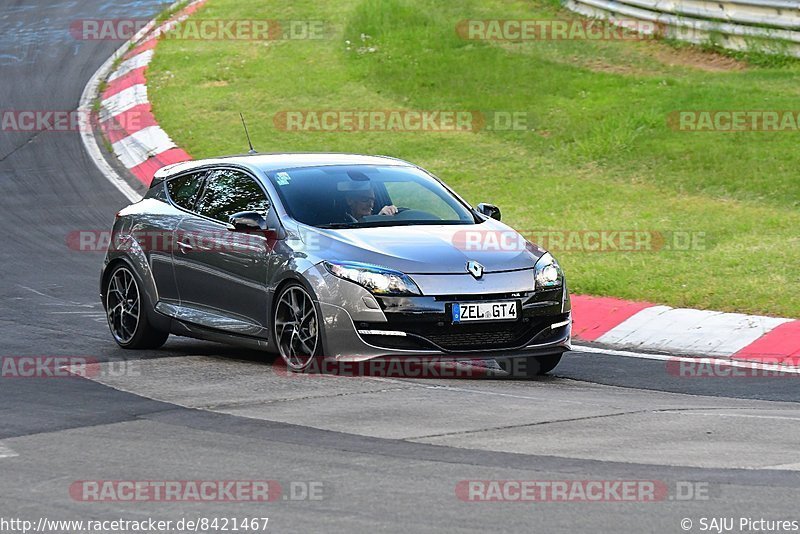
x=598 y=154
x=167 y=13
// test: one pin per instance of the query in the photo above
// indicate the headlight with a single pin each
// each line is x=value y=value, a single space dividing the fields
x=548 y=273
x=376 y=279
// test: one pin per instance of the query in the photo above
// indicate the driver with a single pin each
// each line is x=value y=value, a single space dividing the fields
x=360 y=204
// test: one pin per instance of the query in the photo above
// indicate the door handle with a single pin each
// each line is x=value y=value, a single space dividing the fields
x=185 y=247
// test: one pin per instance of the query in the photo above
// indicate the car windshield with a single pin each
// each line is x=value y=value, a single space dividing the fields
x=358 y=196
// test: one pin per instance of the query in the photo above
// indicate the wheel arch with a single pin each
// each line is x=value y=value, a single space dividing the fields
x=147 y=285
x=291 y=278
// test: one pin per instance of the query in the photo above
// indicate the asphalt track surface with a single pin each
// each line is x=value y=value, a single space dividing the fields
x=388 y=452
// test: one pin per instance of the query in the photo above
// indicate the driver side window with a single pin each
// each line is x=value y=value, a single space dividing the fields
x=228 y=191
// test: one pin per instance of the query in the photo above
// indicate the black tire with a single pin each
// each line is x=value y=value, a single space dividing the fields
x=126 y=308
x=530 y=367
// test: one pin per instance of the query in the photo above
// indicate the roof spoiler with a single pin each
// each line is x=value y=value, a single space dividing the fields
x=164 y=172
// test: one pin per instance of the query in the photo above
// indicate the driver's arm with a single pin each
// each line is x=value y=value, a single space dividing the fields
x=388 y=210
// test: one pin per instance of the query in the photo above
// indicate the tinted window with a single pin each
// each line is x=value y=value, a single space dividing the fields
x=415 y=196
x=366 y=195
x=227 y=192
x=183 y=190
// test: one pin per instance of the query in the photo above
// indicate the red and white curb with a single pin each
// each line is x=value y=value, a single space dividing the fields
x=143 y=147
x=644 y=326
x=126 y=117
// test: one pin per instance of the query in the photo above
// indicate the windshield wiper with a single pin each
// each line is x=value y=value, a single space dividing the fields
x=388 y=223
x=338 y=225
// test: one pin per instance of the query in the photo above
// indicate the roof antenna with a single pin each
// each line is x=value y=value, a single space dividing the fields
x=252 y=150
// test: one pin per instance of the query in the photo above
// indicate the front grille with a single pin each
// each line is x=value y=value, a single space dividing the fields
x=472 y=340
x=476 y=336
x=450 y=337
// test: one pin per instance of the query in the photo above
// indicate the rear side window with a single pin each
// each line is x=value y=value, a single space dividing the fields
x=183 y=190
x=229 y=191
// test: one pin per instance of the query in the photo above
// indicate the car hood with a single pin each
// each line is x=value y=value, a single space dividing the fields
x=428 y=249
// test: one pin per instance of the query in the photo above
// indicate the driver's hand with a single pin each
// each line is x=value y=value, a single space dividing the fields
x=388 y=210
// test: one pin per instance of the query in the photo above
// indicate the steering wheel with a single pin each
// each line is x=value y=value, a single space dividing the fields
x=404 y=214
x=407 y=214
x=399 y=210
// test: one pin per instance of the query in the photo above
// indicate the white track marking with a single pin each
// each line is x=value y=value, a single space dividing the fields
x=136 y=62
x=140 y=146
x=745 y=415
x=788 y=369
x=77 y=312
x=690 y=331
x=85 y=107
x=87 y=136
x=6 y=452
x=783 y=467
x=123 y=101
x=59 y=301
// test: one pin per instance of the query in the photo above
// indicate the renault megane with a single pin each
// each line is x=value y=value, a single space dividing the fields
x=332 y=256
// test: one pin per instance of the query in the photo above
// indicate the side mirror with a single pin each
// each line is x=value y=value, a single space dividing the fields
x=245 y=221
x=490 y=210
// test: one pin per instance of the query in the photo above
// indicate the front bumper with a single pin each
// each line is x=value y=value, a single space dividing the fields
x=359 y=326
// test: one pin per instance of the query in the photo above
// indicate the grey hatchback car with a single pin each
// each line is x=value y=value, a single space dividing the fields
x=331 y=257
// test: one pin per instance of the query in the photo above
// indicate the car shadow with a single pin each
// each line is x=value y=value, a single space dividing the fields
x=409 y=368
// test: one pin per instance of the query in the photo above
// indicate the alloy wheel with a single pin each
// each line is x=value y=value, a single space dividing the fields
x=296 y=328
x=123 y=305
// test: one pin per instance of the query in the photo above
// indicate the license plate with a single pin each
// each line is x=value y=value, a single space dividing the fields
x=484 y=311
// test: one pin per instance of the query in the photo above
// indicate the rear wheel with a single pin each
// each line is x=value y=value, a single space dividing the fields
x=529 y=367
x=126 y=311
x=297 y=328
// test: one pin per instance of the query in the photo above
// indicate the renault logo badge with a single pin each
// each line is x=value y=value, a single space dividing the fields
x=475 y=269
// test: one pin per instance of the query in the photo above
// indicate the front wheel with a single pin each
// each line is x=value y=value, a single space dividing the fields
x=529 y=367
x=297 y=328
x=126 y=311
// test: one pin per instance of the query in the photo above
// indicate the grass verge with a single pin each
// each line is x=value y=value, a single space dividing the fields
x=597 y=153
